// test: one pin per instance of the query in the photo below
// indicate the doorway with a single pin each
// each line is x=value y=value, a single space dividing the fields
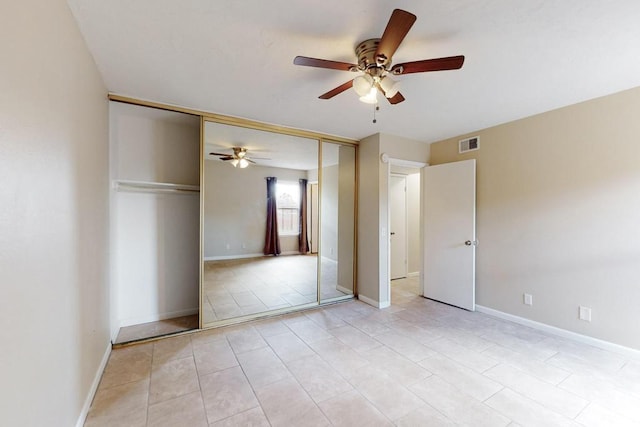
x=405 y=213
x=446 y=239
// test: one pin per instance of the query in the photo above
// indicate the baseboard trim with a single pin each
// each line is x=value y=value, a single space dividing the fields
x=413 y=274
x=114 y=334
x=159 y=316
x=344 y=290
x=374 y=303
x=245 y=256
x=584 y=339
x=94 y=387
x=227 y=257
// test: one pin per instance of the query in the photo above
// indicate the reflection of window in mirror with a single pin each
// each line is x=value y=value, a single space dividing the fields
x=288 y=204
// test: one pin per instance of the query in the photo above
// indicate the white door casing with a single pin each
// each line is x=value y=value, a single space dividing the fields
x=449 y=233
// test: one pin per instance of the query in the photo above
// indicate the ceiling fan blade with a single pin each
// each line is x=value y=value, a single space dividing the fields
x=219 y=154
x=396 y=99
x=399 y=25
x=437 y=64
x=324 y=63
x=225 y=158
x=339 y=89
x=250 y=161
x=260 y=158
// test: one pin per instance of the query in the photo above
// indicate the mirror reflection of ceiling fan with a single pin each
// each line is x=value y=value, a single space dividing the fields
x=239 y=158
x=374 y=61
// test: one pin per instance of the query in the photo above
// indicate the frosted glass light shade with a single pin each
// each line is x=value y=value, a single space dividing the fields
x=243 y=163
x=371 y=97
x=362 y=84
x=234 y=162
x=389 y=86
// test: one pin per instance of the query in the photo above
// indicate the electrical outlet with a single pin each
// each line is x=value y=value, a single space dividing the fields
x=244 y=246
x=528 y=299
x=584 y=313
x=228 y=246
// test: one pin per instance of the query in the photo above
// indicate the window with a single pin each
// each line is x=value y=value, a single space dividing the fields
x=288 y=204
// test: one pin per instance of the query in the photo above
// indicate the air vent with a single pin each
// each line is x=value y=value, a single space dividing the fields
x=469 y=144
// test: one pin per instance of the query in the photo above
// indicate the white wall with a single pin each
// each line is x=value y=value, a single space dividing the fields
x=235 y=209
x=54 y=228
x=558 y=211
x=155 y=237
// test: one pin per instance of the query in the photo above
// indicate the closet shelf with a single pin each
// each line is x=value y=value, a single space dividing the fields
x=154 y=187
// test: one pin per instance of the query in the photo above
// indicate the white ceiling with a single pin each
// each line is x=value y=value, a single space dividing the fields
x=265 y=148
x=236 y=58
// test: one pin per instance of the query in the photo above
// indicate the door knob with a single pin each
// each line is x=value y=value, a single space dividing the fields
x=471 y=242
x=468 y=243
x=392 y=233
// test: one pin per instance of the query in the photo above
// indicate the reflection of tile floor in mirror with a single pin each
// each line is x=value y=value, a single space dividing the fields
x=240 y=287
x=157 y=329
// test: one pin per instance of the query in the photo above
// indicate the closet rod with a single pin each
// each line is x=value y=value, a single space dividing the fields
x=154 y=187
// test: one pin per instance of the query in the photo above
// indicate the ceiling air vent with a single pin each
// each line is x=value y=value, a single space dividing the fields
x=469 y=144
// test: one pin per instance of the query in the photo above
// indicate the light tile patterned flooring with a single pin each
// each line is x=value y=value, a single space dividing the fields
x=239 y=287
x=417 y=363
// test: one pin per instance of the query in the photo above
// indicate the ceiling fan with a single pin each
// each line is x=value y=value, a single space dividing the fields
x=375 y=59
x=239 y=157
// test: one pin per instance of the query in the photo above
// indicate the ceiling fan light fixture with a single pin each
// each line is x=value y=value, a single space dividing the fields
x=243 y=163
x=362 y=84
x=234 y=162
x=389 y=86
x=371 y=97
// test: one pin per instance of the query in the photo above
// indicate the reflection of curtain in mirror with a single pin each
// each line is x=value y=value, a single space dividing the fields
x=271 y=240
x=303 y=241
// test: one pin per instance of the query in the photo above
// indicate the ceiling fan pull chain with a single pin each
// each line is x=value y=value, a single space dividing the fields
x=376 y=107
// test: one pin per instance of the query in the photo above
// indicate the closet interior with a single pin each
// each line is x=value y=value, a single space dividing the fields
x=189 y=220
x=155 y=211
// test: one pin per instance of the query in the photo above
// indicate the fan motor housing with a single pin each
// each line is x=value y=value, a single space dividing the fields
x=366 y=53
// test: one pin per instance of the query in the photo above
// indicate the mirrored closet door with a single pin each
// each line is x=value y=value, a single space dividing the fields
x=266 y=219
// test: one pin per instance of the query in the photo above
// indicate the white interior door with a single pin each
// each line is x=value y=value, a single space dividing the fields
x=449 y=233
x=398 y=226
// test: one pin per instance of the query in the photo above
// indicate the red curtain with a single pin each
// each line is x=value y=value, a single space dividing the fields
x=271 y=240
x=303 y=240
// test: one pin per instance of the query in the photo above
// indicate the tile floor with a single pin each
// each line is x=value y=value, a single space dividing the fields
x=417 y=363
x=234 y=288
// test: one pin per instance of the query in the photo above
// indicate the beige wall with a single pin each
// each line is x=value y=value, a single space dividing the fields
x=54 y=226
x=368 y=265
x=346 y=216
x=235 y=209
x=558 y=216
x=413 y=219
x=329 y=211
x=373 y=210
